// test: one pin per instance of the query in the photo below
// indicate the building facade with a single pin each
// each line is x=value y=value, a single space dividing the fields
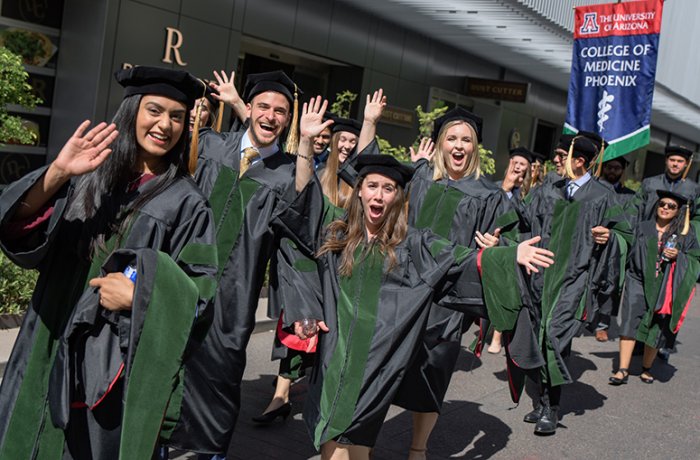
x=420 y=53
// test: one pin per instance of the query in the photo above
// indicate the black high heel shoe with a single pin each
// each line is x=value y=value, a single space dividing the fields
x=268 y=417
x=614 y=381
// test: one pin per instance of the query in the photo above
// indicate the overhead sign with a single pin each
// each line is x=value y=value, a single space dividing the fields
x=497 y=89
x=613 y=70
x=397 y=116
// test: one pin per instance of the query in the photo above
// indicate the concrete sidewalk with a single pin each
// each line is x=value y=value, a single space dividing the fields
x=479 y=421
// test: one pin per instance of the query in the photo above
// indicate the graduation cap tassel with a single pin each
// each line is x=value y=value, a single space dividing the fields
x=601 y=155
x=293 y=138
x=687 y=168
x=194 y=142
x=219 y=117
x=686 y=223
x=569 y=159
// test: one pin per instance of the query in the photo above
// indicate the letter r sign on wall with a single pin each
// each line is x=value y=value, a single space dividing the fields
x=173 y=42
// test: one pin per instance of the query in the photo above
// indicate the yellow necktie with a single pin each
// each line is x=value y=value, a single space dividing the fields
x=249 y=154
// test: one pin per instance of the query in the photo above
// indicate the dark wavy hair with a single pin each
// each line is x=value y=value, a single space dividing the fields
x=100 y=195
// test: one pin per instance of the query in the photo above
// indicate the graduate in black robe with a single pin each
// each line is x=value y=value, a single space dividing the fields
x=613 y=175
x=294 y=278
x=97 y=357
x=572 y=216
x=678 y=160
x=244 y=174
x=380 y=278
x=659 y=283
x=449 y=196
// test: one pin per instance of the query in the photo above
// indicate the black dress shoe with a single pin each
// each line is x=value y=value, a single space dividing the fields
x=547 y=424
x=534 y=415
x=268 y=417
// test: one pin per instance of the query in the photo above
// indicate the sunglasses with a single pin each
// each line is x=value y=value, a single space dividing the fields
x=668 y=204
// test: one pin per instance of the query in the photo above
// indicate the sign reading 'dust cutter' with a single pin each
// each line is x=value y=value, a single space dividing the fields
x=613 y=71
x=499 y=90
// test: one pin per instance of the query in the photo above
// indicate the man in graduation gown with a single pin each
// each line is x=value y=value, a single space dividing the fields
x=244 y=174
x=571 y=216
x=678 y=160
x=612 y=174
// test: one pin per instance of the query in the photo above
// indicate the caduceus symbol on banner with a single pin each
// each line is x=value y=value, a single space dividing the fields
x=604 y=106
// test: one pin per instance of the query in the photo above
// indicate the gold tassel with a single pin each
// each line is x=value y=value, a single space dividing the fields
x=567 y=164
x=686 y=224
x=601 y=156
x=293 y=138
x=219 y=117
x=687 y=168
x=194 y=142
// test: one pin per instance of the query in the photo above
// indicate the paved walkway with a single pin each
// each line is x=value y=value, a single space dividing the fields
x=479 y=421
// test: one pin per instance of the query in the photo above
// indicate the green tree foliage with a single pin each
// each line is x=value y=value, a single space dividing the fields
x=14 y=89
x=16 y=286
x=343 y=103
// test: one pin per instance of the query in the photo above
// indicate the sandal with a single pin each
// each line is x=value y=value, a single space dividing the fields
x=650 y=379
x=616 y=381
x=412 y=452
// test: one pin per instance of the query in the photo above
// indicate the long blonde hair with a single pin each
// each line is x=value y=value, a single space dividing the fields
x=337 y=191
x=473 y=160
x=344 y=236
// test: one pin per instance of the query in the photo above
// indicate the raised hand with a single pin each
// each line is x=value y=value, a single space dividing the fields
x=311 y=123
x=374 y=107
x=426 y=149
x=83 y=153
x=531 y=257
x=227 y=91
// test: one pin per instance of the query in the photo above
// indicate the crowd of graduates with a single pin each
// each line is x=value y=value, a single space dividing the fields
x=153 y=234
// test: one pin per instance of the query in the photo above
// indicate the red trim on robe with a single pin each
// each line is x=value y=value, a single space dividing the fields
x=478 y=260
x=291 y=340
x=82 y=405
x=667 y=306
x=15 y=230
x=685 y=311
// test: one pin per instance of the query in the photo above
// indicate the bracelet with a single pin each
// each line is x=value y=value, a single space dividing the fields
x=306 y=157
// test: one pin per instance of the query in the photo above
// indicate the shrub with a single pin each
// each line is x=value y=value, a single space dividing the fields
x=16 y=286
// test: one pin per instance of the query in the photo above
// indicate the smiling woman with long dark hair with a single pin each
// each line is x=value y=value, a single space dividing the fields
x=122 y=239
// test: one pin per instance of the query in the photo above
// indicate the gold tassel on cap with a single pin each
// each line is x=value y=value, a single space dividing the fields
x=601 y=156
x=219 y=117
x=687 y=168
x=686 y=223
x=293 y=138
x=194 y=142
x=567 y=164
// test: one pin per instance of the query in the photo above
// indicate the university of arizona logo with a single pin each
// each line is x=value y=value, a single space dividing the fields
x=590 y=24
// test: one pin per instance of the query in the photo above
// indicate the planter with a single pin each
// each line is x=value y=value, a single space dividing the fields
x=10 y=321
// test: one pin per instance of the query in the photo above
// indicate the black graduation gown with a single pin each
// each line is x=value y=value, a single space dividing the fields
x=376 y=317
x=641 y=207
x=645 y=290
x=454 y=210
x=569 y=293
x=244 y=212
x=295 y=283
x=68 y=347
